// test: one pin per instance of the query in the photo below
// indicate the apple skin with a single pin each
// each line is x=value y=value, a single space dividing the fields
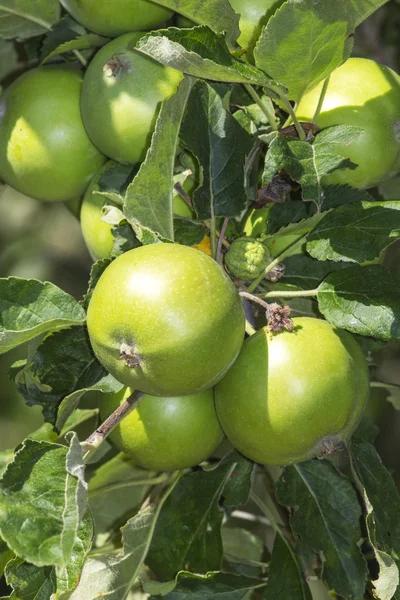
x=115 y=17
x=45 y=152
x=166 y=319
x=364 y=94
x=96 y=233
x=121 y=97
x=254 y=14
x=293 y=395
x=166 y=433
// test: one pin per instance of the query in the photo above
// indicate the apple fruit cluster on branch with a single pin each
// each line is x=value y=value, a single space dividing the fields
x=228 y=162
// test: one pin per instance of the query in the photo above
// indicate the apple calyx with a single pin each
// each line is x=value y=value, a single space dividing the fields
x=128 y=356
x=116 y=65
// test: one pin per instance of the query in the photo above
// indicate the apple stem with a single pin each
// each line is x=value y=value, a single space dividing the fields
x=183 y=194
x=289 y=109
x=221 y=238
x=254 y=299
x=266 y=107
x=81 y=58
x=321 y=100
x=285 y=254
x=290 y=294
x=95 y=440
x=213 y=233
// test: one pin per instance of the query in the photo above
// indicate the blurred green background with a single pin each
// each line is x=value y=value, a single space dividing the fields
x=44 y=241
x=40 y=241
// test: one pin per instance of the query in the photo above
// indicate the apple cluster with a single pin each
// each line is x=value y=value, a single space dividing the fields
x=167 y=319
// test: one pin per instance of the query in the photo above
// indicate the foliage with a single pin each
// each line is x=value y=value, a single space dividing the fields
x=80 y=521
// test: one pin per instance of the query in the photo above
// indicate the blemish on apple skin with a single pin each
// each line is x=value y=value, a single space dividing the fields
x=128 y=356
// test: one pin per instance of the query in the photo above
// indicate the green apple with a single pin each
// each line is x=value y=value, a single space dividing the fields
x=45 y=151
x=166 y=319
x=112 y=18
x=293 y=395
x=166 y=433
x=364 y=94
x=121 y=97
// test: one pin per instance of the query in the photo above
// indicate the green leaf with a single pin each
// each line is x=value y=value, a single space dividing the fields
x=201 y=53
x=290 y=211
x=69 y=579
x=42 y=501
x=148 y=200
x=114 y=181
x=96 y=271
x=217 y=14
x=359 y=10
x=66 y=36
x=303 y=307
x=363 y=300
x=356 y=232
x=29 y=308
x=116 y=490
x=106 y=384
x=382 y=505
x=105 y=575
x=61 y=371
x=307 y=273
x=123 y=234
x=303 y=43
x=29 y=581
x=40 y=583
x=27 y=18
x=307 y=163
x=188 y=232
x=5 y=556
x=286 y=579
x=221 y=145
x=325 y=514
x=188 y=530
x=292 y=238
x=240 y=545
x=336 y=195
x=79 y=416
x=46 y=433
x=237 y=487
x=218 y=586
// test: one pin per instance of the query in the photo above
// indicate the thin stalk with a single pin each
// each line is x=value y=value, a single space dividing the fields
x=255 y=299
x=95 y=440
x=289 y=294
x=321 y=99
x=207 y=223
x=221 y=240
x=267 y=109
x=213 y=234
x=81 y=58
x=179 y=189
x=275 y=262
x=289 y=109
